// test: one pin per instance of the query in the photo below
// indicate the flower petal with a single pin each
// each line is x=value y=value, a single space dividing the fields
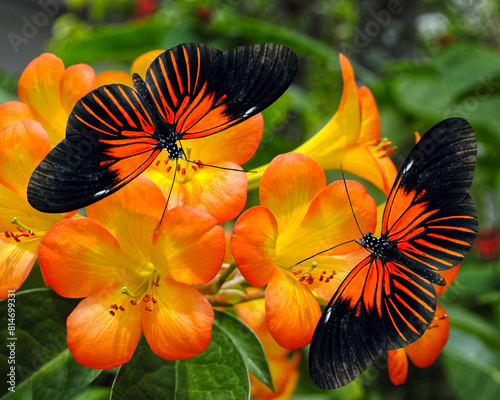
x=398 y=366
x=329 y=222
x=292 y=311
x=39 y=87
x=180 y=325
x=142 y=63
x=131 y=214
x=16 y=261
x=76 y=82
x=22 y=146
x=289 y=185
x=91 y=256
x=221 y=193
x=14 y=111
x=98 y=339
x=113 y=77
x=192 y=245
x=254 y=245
x=370 y=117
x=426 y=350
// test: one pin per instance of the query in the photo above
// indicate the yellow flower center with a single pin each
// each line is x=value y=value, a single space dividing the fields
x=182 y=169
x=145 y=292
x=22 y=233
x=312 y=274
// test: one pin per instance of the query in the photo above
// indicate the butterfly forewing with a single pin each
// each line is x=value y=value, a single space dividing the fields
x=202 y=91
x=388 y=300
x=109 y=141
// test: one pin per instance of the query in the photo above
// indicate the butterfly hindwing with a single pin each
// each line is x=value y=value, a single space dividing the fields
x=379 y=306
x=109 y=141
x=201 y=90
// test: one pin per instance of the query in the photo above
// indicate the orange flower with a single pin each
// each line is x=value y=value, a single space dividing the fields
x=22 y=146
x=135 y=280
x=425 y=350
x=299 y=216
x=222 y=193
x=351 y=138
x=47 y=94
x=283 y=364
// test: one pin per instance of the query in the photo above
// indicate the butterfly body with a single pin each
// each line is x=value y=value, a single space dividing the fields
x=190 y=91
x=388 y=300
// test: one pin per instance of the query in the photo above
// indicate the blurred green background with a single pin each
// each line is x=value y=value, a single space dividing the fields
x=423 y=60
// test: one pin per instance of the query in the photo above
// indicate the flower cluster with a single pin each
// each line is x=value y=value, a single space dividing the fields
x=136 y=276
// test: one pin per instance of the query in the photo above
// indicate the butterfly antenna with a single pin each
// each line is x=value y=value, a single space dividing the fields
x=349 y=198
x=168 y=198
x=321 y=252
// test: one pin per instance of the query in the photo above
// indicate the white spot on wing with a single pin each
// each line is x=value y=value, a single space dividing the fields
x=408 y=167
x=249 y=112
x=101 y=193
x=327 y=316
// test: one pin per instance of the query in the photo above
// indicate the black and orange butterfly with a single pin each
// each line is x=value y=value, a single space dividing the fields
x=429 y=225
x=190 y=91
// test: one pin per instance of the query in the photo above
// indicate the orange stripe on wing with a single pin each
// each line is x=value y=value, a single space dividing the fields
x=424 y=242
x=89 y=110
x=394 y=322
x=112 y=116
x=186 y=59
x=412 y=295
x=448 y=239
x=179 y=79
x=120 y=108
x=89 y=125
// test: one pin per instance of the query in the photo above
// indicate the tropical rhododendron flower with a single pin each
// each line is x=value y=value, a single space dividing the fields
x=22 y=146
x=47 y=94
x=351 y=138
x=133 y=279
x=300 y=216
x=425 y=350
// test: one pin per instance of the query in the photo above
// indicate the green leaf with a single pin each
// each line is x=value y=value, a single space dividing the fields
x=473 y=368
x=248 y=345
x=220 y=372
x=44 y=367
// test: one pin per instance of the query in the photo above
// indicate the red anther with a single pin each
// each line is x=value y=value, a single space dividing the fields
x=146 y=300
x=302 y=279
x=16 y=238
x=194 y=168
x=157 y=163
x=297 y=272
x=167 y=160
x=114 y=306
x=149 y=309
x=133 y=302
x=321 y=278
x=169 y=168
x=156 y=283
x=431 y=326
x=183 y=171
x=7 y=234
x=331 y=276
x=112 y=312
x=122 y=308
x=148 y=296
x=153 y=300
x=327 y=280
x=178 y=168
x=334 y=272
x=324 y=272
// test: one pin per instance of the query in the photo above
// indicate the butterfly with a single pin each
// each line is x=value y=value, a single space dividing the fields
x=190 y=91
x=429 y=225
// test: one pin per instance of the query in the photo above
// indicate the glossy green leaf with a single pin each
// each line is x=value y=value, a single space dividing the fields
x=220 y=372
x=248 y=344
x=44 y=367
x=472 y=367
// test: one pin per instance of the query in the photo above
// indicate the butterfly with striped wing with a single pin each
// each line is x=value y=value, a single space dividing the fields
x=190 y=91
x=429 y=225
